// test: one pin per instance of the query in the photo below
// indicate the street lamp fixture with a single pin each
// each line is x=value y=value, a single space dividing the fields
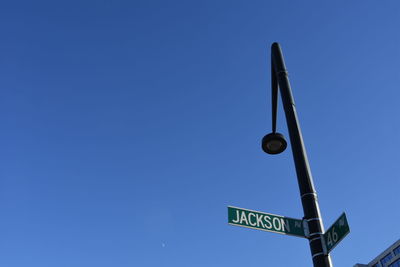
x=274 y=143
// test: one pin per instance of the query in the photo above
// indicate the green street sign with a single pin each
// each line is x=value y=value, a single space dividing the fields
x=265 y=221
x=336 y=233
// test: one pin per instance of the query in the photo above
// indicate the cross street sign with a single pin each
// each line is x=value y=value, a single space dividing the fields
x=336 y=233
x=265 y=221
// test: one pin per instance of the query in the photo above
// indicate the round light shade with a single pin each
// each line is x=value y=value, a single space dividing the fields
x=273 y=143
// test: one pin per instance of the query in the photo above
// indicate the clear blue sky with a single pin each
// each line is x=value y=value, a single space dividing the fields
x=128 y=127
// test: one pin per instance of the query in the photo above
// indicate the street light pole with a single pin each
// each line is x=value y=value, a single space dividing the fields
x=307 y=191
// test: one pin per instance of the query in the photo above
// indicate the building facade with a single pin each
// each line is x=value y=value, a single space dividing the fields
x=388 y=258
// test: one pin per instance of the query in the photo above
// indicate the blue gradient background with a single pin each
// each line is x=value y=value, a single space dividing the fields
x=128 y=127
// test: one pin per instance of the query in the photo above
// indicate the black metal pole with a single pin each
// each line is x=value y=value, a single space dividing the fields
x=307 y=191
